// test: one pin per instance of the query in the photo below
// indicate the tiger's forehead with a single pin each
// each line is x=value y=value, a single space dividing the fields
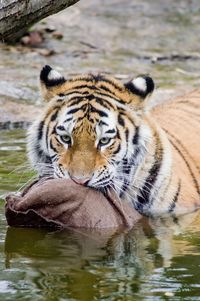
x=87 y=114
x=93 y=82
x=91 y=102
x=98 y=85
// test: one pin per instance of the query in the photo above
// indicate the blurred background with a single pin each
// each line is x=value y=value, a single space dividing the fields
x=124 y=38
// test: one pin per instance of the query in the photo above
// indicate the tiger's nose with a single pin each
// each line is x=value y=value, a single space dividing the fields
x=80 y=180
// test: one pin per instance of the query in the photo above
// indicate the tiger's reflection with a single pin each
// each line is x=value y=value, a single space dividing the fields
x=100 y=262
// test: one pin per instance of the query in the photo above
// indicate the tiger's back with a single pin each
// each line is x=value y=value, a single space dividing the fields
x=180 y=119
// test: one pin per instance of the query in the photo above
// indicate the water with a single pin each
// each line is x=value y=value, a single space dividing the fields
x=157 y=260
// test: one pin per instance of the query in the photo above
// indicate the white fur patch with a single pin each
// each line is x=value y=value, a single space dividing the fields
x=140 y=84
x=53 y=74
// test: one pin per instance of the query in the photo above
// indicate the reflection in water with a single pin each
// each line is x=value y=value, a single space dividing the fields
x=155 y=257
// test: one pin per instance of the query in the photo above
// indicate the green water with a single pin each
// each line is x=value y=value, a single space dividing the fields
x=157 y=260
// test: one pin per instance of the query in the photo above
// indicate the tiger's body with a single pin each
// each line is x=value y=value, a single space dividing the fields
x=98 y=132
x=180 y=119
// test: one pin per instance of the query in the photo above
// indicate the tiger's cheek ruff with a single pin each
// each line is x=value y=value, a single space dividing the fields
x=42 y=145
x=37 y=148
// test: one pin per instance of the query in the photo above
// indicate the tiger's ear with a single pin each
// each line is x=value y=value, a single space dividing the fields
x=50 y=82
x=142 y=86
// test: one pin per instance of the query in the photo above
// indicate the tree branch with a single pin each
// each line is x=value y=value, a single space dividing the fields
x=16 y=16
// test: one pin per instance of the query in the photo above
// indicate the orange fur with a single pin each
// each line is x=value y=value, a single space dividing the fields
x=180 y=119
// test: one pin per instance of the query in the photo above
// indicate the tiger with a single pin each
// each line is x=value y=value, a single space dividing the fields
x=102 y=133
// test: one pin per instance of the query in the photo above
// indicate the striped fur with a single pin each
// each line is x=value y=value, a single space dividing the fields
x=98 y=132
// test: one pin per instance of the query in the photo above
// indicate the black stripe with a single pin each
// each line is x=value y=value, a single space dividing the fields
x=110 y=95
x=113 y=97
x=52 y=147
x=61 y=128
x=108 y=90
x=110 y=131
x=136 y=136
x=111 y=83
x=129 y=119
x=72 y=111
x=101 y=173
x=47 y=135
x=76 y=100
x=41 y=155
x=100 y=112
x=125 y=116
x=117 y=150
x=80 y=119
x=101 y=122
x=175 y=199
x=95 y=78
x=54 y=129
x=40 y=130
x=82 y=87
x=55 y=82
x=76 y=92
x=89 y=97
x=54 y=116
x=118 y=134
x=126 y=170
x=82 y=108
x=152 y=177
x=53 y=157
x=99 y=98
x=103 y=179
x=112 y=144
x=60 y=100
x=127 y=136
x=121 y=120
x=38 y=150
x=104 y=103
x=124 y=188
x=68 y=119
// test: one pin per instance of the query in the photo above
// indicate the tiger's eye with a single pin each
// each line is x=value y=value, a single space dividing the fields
x=66 y=139
x=104 y=140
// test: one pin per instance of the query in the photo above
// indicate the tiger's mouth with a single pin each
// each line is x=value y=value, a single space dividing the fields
x=85 y=181
x=110 y=182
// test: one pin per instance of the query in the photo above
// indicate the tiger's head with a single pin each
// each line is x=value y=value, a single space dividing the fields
x=92 y=129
